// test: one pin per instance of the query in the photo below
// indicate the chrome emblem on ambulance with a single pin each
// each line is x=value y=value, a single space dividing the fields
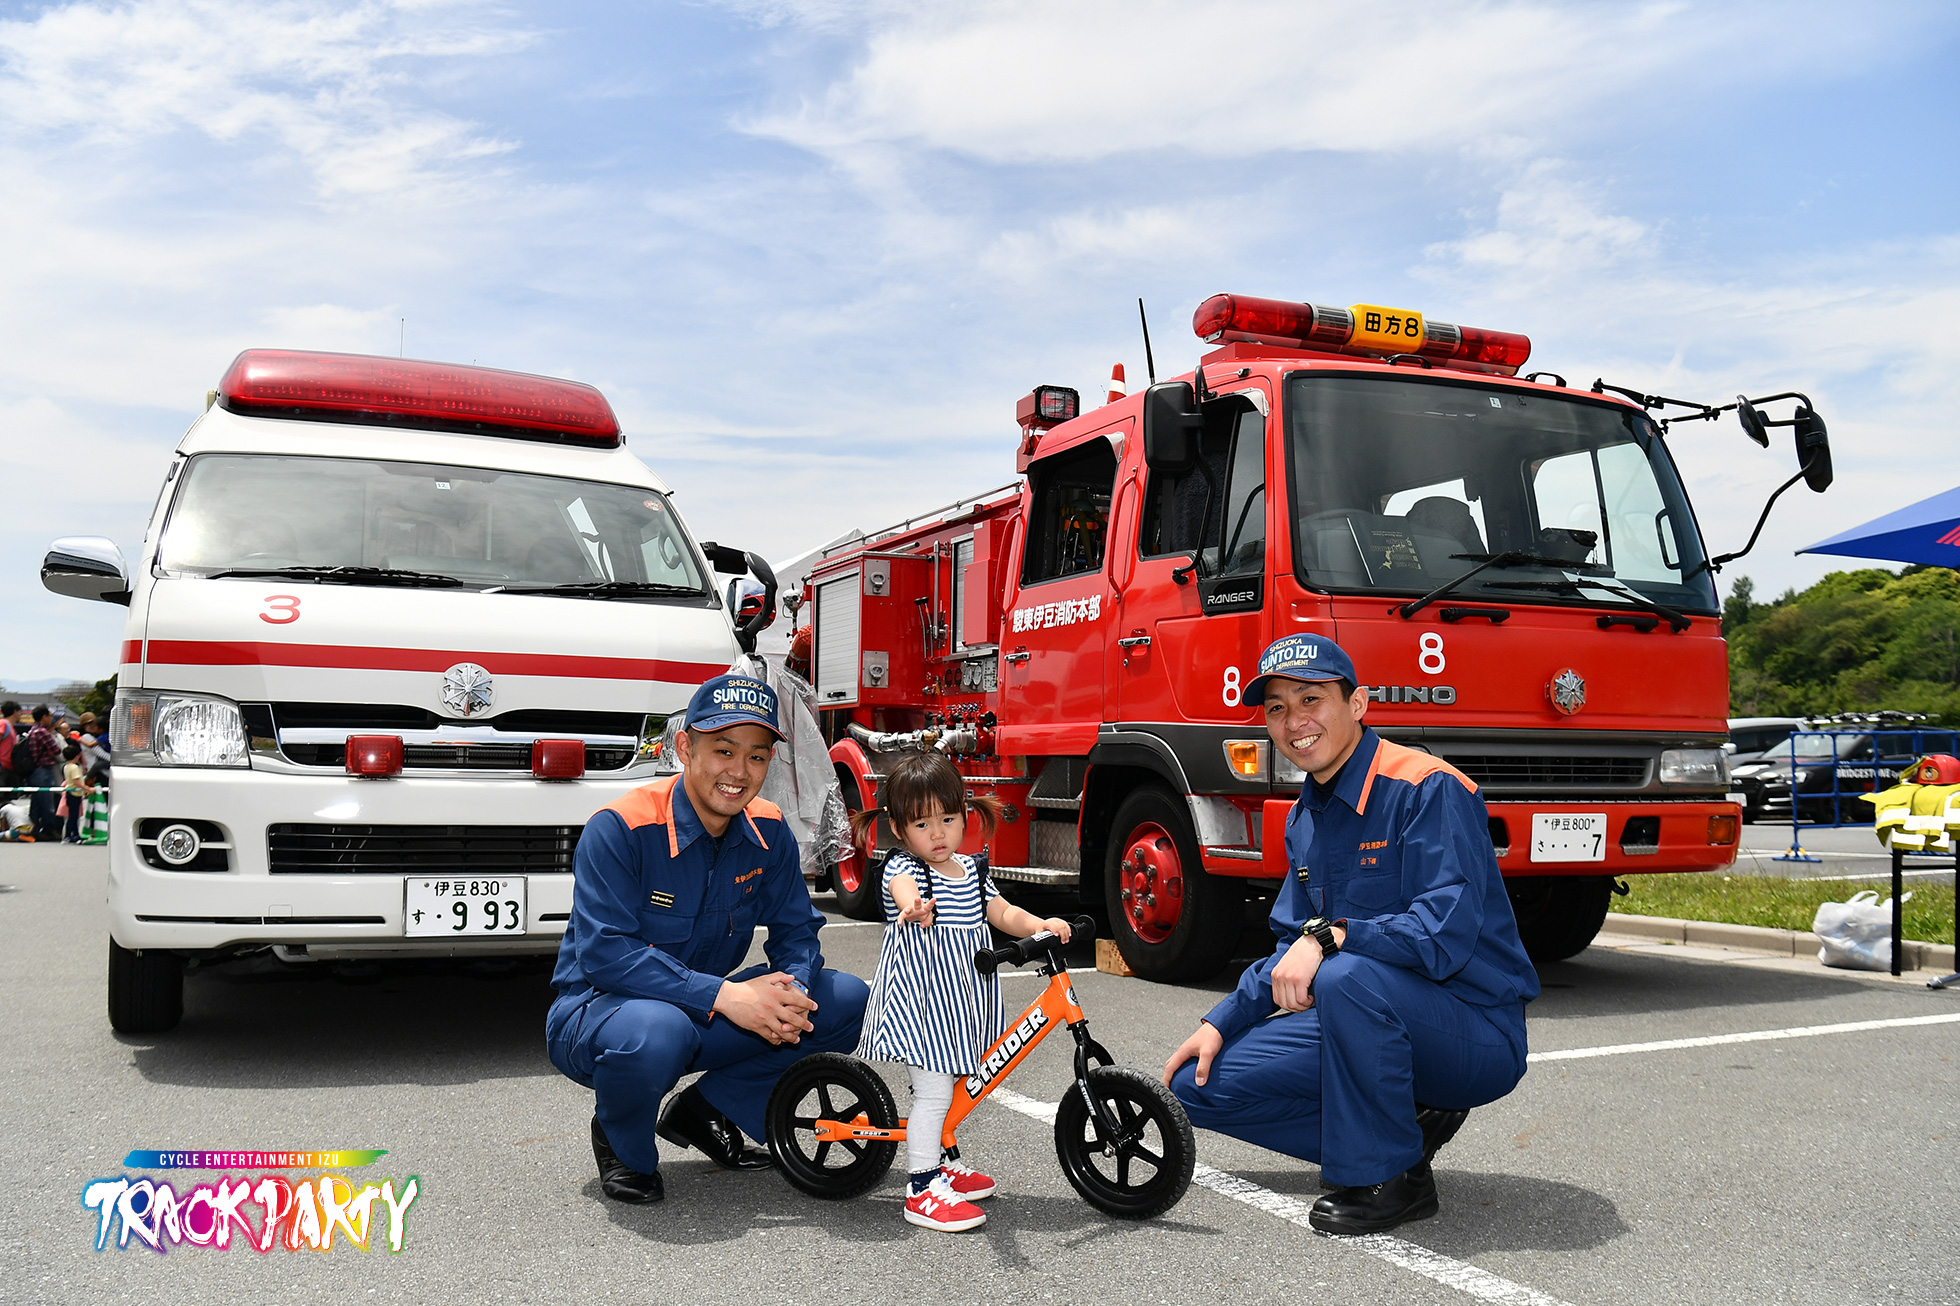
x=466 y=689
x=1567 y=691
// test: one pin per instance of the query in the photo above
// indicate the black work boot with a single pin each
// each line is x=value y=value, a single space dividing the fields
x=1438 y=1127
x=689 y=1121
x=1375 y=1208
x=618 y=1180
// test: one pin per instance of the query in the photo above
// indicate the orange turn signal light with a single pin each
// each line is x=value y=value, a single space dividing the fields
x=1722 y=830
x=1246 y=757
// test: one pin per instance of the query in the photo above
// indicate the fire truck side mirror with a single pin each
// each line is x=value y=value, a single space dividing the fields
x=1172 y=422
x=754 y=615
x=730 y=562
x=1813 y=449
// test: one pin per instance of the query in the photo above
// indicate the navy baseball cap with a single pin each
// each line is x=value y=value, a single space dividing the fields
x=1300 y=657
x=733 y=701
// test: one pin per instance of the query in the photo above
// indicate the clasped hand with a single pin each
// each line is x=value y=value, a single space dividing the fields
x=770 y=1006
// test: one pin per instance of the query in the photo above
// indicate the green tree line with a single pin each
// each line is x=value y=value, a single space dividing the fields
x=1856 y=641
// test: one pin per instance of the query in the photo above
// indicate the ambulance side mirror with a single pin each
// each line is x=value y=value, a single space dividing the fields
x=730 y=562
x=1813 y=449
x=754 y=612
x=1172 y=422
x=86 y=567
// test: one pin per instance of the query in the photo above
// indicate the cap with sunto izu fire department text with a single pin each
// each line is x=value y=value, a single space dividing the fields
x=1300 y=657
x=733 y=701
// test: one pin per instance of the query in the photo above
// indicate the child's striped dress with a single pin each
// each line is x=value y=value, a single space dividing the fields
x=929 y=1007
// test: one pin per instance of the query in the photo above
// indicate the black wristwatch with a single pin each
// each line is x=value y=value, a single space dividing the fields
x=1322 y=930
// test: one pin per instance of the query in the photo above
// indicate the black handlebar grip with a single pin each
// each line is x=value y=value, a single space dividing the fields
x=1084 y=930
x=988 y=960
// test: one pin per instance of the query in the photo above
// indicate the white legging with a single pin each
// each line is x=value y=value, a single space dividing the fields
x=932 y=1098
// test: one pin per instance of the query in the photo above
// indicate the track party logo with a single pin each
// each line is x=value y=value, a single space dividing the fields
x=261 y=1211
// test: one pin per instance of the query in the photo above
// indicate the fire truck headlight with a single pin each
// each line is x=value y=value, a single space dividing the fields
x=198 y=732
x=1705 y=768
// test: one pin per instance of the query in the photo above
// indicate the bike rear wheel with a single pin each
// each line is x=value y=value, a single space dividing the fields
x=830 y=1086
x=1144 y=1171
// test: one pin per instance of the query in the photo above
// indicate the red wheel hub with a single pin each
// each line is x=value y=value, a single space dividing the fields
x=1150 y=882
x=849 y=872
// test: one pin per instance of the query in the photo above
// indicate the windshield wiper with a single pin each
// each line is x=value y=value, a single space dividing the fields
x=603 y=589
x=1508 y=558
x=1677 y=621
x=347 y=574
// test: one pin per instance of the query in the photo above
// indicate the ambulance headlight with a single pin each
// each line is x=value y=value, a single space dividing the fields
x=178 y=730
x=1706 y=768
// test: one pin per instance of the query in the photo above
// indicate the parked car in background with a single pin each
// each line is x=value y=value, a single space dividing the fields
x=1766 y=782
x=1752 y=736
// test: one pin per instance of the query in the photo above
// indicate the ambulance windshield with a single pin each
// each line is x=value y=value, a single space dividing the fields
x=1402 y=484
x=262 y=511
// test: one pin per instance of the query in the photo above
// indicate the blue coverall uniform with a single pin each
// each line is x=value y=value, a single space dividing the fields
x=661 y=913
x=1425 y=1000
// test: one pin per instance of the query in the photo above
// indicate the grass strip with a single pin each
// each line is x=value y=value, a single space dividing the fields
x=1780 y=904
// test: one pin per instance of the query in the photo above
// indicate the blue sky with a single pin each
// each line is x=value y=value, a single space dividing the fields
x=814 y=250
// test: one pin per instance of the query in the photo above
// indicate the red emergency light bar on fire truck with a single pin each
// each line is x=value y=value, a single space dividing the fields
x=1364 y=331
x=310 y=385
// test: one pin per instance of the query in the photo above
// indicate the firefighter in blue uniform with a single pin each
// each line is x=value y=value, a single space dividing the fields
x=1395 y=999
x=670 y=883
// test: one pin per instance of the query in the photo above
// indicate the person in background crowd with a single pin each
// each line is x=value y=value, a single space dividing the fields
x=8 y=735
x=95 y=758
x=46 y=753
x=17 y=820
x=75 y=790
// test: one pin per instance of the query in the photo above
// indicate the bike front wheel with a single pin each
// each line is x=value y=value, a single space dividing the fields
x=830 y=1086
x=1144 y=1170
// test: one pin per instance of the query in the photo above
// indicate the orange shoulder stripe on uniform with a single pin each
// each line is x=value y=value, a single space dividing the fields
x=1407 y=764
x=650 y=804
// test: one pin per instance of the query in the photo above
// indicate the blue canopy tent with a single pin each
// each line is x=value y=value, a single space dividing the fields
x=1927 y=532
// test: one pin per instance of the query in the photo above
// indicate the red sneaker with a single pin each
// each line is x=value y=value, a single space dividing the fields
x=939 y=1208
x=968 y=1184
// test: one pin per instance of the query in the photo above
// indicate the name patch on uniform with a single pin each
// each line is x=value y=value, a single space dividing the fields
x=661 y=899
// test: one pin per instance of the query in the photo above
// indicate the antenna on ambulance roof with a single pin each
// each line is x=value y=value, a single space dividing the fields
x=1149 y=363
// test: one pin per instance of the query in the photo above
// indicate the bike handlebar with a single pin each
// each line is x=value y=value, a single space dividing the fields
x=988 y=960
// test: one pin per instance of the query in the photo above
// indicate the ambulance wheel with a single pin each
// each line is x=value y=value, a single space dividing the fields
x=830 y=1086
x=146 y=990
x=1170 y=919
x=854 y=880
x=1144 y=1171
x=1558 y=915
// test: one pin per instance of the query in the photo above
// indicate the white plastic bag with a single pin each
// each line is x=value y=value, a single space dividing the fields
x=1857 y=935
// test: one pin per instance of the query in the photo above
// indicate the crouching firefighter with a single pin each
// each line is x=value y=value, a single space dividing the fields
x=669 y=885
x=1395 y=999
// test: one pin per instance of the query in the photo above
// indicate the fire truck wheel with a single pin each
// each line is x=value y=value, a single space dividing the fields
x=854 y=880
x=146 y=990
x=1558 y=915
x=1171 y=920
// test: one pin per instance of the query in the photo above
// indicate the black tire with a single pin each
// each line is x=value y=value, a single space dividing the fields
x=854 y=881
x=1558 y=915
x=830 y=1086
x=1157 y=1141
x=146 y=990
x=1191 y=942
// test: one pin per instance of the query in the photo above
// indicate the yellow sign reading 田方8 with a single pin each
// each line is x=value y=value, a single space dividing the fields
x=1391 y=330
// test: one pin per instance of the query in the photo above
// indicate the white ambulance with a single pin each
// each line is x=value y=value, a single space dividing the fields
x=398 y=628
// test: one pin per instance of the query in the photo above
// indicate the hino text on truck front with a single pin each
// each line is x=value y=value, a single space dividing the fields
x=397 y=629
x=1512 y=562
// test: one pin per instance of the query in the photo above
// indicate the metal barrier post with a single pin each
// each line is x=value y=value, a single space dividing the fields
x=1795 y=852
x=1898 y=907
x=1946 y=980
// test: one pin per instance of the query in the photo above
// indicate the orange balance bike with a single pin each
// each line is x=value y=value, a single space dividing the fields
x=1125 y=1143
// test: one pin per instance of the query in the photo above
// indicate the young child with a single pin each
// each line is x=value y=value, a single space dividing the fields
x=75 y=791
x=930 y=1008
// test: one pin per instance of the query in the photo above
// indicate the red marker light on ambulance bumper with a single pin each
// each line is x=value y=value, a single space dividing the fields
x=374 y=756
x=305 y=384
x=1365 y=330
x=558 y=759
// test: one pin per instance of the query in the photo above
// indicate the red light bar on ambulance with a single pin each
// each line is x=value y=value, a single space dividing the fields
x=304 y=384
x=1365 y=330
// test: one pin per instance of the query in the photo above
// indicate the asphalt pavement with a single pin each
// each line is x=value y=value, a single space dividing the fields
x=1845 y=851
x=1791 y=1138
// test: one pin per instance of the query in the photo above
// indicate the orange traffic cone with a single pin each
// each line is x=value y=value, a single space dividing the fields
x=1117 y=387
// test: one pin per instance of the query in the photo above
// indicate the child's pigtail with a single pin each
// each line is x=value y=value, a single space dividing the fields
x=864 y=827
x=989 y=809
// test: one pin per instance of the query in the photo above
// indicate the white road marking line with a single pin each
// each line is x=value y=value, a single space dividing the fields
x=1750 y=1036
x=1446 y=1270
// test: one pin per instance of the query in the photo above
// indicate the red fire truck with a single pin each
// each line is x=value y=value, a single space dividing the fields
x=1511 y=561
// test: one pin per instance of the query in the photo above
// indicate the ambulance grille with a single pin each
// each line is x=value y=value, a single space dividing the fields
x=461 y=757
x=297 y=849
x=1519 y=769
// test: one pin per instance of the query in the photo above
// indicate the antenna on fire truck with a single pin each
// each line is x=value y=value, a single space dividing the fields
x=1149 y=361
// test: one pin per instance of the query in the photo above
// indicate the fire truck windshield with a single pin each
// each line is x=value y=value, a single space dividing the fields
x=366 y=521
x=1400 y=485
